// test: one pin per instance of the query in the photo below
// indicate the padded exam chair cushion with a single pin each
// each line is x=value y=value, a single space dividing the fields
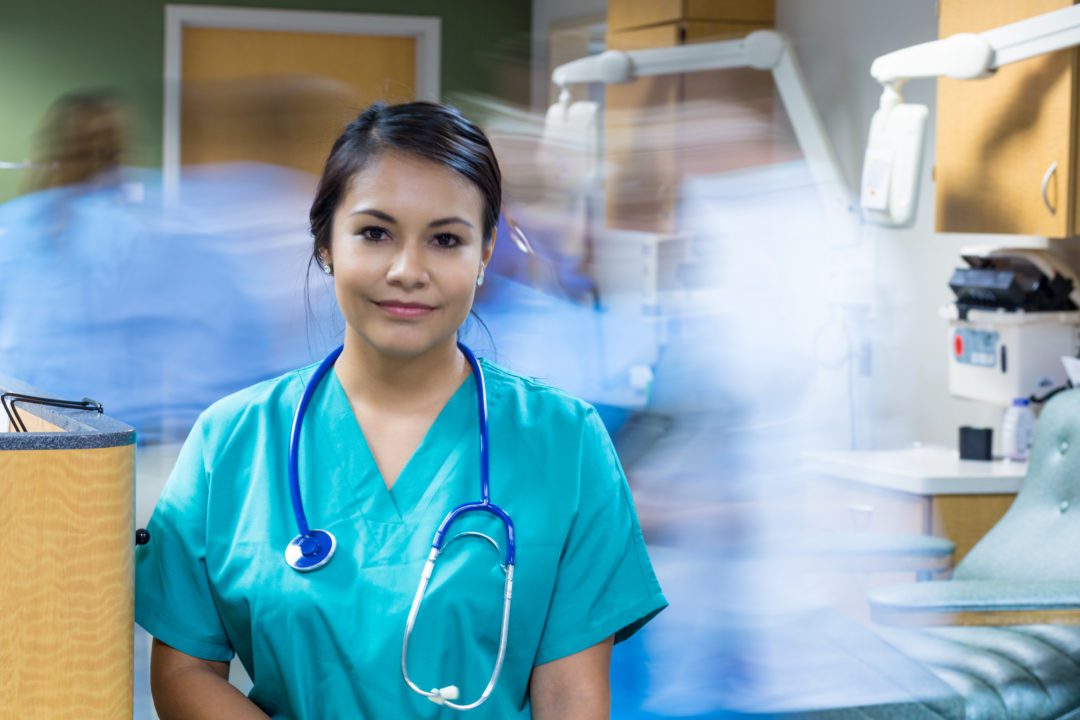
x=1025 y=672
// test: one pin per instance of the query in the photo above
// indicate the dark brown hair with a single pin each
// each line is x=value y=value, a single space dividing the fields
x=430 y=131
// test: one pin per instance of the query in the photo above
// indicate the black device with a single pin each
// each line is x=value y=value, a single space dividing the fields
x=1010 y=283
x=976 y=443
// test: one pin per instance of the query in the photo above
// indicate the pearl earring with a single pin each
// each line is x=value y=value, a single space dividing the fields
x=326 y=267
x=480 y=278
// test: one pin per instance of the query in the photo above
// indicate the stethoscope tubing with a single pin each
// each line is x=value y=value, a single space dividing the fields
x=294 y=439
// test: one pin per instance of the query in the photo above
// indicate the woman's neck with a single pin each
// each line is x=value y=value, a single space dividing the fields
x=377 y=380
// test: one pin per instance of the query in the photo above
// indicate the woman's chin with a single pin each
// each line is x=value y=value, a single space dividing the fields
x=404 y=345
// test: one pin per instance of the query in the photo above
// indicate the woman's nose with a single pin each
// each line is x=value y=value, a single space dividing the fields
x=407 y=268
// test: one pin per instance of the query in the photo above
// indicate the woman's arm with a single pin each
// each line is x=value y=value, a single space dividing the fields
x=189 y=688
x=576 y=687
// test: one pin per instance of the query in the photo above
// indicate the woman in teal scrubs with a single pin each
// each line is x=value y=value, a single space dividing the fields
x=404 y=221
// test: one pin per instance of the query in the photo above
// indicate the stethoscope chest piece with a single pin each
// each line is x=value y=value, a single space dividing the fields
x=311 y=551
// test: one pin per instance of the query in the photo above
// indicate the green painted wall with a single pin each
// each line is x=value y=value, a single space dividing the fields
x=51 y=47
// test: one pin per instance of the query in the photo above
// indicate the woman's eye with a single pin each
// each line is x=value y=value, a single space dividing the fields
x=374 y=233
x=447 y=240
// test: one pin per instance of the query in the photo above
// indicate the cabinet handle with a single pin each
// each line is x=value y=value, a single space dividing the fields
x=861 y=516
x=1045 y=186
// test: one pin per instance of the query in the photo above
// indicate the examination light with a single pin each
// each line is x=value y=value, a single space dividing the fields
x=893 y=161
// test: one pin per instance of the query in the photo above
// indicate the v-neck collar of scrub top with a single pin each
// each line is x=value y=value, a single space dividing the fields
x=434 y=460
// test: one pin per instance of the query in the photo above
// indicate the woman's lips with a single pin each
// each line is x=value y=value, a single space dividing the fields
x=397 y=309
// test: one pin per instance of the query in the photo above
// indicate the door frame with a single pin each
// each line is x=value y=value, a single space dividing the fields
x=425 y=30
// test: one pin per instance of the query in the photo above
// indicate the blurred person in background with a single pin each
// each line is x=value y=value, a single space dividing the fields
x=166 y=302
x=82 y=140
x=727 y=333
x=66 y=253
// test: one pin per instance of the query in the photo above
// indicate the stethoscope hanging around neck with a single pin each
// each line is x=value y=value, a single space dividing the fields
x=312 y=549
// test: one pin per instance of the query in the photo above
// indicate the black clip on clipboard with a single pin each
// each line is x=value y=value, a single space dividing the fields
x=9 y=399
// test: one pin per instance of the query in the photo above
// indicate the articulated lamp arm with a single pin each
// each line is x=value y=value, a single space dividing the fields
x=762 y=50
x=968 y=55
x=894 y=152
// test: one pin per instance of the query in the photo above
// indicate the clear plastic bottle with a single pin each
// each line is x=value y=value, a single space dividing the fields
x=1018 y=429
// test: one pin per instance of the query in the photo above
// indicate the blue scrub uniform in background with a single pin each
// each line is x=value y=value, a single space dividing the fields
x=213 y=580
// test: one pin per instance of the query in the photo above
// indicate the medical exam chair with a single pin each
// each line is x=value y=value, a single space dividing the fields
x=1004 y=631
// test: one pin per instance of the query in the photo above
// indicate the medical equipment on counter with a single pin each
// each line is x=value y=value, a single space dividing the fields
x=1017 y=429
x=761 y=50
x=976 y=443
x=1014 y=279
x=891 y=168
x=312 y=549
x=1015 y=315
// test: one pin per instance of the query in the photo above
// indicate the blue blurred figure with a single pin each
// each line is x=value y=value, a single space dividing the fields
x=155 y=309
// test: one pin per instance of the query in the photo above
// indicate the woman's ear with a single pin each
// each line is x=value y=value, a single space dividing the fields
x=325 y=262
x=489 y=247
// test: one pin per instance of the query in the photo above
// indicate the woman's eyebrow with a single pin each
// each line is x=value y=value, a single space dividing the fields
x=449 y=221
x=385 y=217
x=374 y=213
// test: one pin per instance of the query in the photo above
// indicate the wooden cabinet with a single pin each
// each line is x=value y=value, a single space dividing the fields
x=1007 y=145
x=859 y=511
x=660 y=130
x=923 y=489
x=67 y=491
x=843 y=506
x=635 y=14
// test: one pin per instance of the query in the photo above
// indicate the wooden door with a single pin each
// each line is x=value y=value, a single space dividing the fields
x=282 y=97
x=998 y=138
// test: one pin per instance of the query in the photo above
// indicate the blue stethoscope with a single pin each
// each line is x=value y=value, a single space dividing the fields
x=312 y=549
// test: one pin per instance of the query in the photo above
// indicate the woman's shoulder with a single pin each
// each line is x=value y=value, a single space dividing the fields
x=531 y=397
x=264 y=402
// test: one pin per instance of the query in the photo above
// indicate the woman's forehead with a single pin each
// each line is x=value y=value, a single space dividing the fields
x=399 y=184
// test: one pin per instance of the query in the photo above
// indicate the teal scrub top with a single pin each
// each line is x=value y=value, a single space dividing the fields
x=213 y=581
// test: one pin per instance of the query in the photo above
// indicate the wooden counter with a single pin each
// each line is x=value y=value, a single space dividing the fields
x=67 y=575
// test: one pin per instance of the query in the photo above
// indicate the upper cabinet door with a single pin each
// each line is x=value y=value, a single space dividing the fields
x=1005 y=145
